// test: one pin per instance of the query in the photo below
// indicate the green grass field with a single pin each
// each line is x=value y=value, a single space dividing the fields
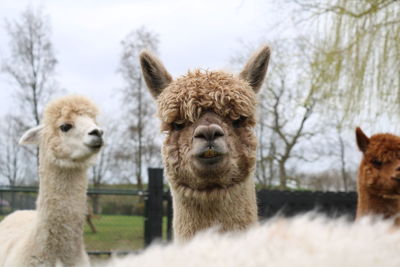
x=116 y=232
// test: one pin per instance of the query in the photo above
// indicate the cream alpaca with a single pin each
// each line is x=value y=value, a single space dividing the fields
x=210 y=149
x=379 y=176
x=68 y=141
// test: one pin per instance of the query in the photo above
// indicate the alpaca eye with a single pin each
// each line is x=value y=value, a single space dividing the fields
x=239 y=122
x=65 y=127
x=177 y=126
x=376 y=163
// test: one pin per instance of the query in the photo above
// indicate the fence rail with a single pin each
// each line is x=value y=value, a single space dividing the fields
x=91 y=191
x=290 y=203
x=157 y=204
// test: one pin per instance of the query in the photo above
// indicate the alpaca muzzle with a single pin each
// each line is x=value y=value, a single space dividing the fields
x=209 y=156
x=94 y=138
x=96 y=142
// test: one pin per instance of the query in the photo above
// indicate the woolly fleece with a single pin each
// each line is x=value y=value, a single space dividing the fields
x=303 y=241
x=196 y=92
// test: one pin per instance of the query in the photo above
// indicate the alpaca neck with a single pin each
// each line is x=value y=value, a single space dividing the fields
x=61 y=208
x=372 y=204
x=234 y=209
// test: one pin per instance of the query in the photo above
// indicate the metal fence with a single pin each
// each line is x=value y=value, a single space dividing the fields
x=290 y=203
x=128 y=219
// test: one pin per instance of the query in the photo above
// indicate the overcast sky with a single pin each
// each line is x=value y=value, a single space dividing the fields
x=87 y=35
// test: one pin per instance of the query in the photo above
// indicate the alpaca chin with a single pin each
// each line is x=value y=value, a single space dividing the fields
x=210 y=193
x=69 y=164
x=206 y=171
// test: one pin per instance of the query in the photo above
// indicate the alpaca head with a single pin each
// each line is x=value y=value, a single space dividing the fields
x=209 y=119
x=69 y=136
x=380 y=167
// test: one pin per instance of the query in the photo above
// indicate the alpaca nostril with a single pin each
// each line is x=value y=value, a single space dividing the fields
x=398 y=169
x=96 y=132
x=208 y=133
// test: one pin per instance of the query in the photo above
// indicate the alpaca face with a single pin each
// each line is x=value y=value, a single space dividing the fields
x=380 y=167
x=212 y=154
x=69 y=136
x=209 y=121
x=76 y=139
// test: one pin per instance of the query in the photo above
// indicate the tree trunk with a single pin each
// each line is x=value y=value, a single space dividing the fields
x=343 y=163
x=282 y=175
x=140 y=137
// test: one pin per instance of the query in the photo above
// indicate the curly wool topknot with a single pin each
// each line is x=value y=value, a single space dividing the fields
x=198 y=91
x=383 y=147
x=67 y=107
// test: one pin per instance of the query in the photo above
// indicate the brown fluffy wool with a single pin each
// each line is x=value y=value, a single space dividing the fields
x=209 y=196
x=189 y=96
x=379 y=175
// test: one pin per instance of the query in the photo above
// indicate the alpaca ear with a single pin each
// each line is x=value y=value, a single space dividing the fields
x=32 y=136
x=154 y=73
x=362 y=140
x=255 y=69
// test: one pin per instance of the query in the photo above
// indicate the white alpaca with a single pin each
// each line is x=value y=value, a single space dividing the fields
x=68 y=141
x=305 y=241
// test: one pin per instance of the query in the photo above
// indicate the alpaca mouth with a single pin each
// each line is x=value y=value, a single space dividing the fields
x=210 y=153
x=95 y=145
x=210 y=156
x=209 y=188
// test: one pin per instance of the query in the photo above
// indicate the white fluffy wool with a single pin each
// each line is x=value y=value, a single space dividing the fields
x=304 y=241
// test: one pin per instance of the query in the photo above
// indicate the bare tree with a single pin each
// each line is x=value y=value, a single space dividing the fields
x=139 y=108
x=265 y=168
x=11 y=154
x=342 y=157
x=328 y=180
x=287 y=103
x=339 y=141
x=31 y=65
x=287 y=127
x=14 y=164
x=107 y=168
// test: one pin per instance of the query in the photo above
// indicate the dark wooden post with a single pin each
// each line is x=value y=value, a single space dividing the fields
x=154 y=206
x=169 y=216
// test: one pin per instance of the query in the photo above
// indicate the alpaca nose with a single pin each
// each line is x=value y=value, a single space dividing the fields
x=96 y=132
x=208 y=133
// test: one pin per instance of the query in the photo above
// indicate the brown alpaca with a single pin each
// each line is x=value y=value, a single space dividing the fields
x=379 y=175
x=209 y=151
